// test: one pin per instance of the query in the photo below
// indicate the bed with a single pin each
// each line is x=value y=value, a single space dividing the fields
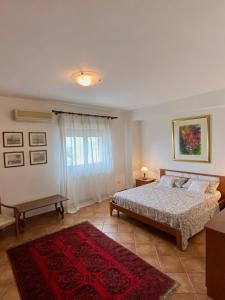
x=175 y=211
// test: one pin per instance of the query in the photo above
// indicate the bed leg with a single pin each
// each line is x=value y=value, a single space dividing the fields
x=178 y=240
x=111 y=209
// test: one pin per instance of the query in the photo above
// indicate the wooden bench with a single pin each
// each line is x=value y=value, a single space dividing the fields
x=22 y=208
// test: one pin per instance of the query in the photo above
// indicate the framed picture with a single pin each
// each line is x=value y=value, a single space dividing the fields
x=13 y=159
x=12 y=139
x=37 y=139
x=38 y=157
x=191 y=139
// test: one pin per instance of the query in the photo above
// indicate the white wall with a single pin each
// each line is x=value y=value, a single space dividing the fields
x=156 y=131
x=26 y=183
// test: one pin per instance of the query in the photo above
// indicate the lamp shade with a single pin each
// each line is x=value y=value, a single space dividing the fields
x=86 y=78
x=144 y=169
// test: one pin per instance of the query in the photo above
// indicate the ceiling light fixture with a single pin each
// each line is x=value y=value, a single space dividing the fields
x=86 y=78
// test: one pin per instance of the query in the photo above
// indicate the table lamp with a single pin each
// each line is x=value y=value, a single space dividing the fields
x=144 y=169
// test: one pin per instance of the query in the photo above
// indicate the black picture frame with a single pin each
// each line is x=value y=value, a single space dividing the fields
x=31 y=134
x=6 y=163
x=32 y=163
x=4 y=137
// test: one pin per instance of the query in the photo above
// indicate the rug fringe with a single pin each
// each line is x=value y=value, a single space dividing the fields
x=167 y=295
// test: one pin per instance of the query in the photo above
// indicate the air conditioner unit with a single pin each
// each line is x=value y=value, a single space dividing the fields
x=33 y=116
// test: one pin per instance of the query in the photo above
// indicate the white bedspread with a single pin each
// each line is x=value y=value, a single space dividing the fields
x=176 y=207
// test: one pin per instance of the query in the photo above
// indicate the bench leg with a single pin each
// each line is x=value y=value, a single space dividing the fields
x=23 y=221
x=57 y=209
x=17 y=223
x=61 y=210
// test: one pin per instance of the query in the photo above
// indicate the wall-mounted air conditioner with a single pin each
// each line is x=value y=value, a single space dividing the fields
x=32 y=116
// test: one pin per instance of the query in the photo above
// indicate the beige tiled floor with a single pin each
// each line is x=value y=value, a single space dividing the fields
x=158 y=249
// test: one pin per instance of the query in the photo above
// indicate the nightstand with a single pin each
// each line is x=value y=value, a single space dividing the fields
x=142 y=181
x=215 y=256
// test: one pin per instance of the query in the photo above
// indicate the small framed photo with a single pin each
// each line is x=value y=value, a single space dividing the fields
x=12 y=139
x=38 y=157
x=37 y=139
x=13 y=159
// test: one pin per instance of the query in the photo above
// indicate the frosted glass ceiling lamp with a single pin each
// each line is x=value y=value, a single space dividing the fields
x=86 y=78
x=144 y=170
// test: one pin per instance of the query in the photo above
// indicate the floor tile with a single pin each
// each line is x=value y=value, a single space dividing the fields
x=3 y=258
x=145 y=249
x=112 y=228
x=6 y=275
x=203 y=297
x=113 y=236
x=198 y=282
x=184 y=281
x=193 y=249
x=125 y=227
x=143 y=237
x=99 y=214
x=97 y=221
x=86 y=215
x=170 y=264
x=3 y=290
x=184 y=297
x=98 y=226
x=129 y=246
x=11 y=293
x=193 y=264
x=166 y=249
x=152 y=260
x=126 y=237
x=111 y=220
x=198 y=238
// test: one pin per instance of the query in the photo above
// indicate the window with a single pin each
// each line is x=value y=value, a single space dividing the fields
x=94 y=149
x=80 y=150
x=86 y=159
x=74 y=150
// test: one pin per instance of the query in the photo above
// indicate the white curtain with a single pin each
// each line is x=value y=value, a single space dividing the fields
x=86 y=160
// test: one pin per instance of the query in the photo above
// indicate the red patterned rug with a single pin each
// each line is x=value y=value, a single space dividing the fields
x=81 y=262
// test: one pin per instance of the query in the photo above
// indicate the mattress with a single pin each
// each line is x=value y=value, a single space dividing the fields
x=175 y=207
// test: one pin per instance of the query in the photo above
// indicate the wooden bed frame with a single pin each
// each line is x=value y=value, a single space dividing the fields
x=166 y=228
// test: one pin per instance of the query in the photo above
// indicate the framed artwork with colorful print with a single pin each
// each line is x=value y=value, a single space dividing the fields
x=191 y=139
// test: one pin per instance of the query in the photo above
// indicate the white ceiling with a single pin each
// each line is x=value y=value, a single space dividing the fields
x=148 y=51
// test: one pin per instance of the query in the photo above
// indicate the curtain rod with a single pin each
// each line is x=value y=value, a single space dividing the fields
x=57 y=112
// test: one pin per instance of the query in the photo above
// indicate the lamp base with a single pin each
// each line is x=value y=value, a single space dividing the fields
x=144 y=177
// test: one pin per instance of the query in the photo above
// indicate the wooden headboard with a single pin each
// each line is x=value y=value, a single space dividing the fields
x=221 y=186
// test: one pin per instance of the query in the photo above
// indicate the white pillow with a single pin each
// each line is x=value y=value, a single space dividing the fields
x=167 y=181
x=198 y=186
x=212 y=187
